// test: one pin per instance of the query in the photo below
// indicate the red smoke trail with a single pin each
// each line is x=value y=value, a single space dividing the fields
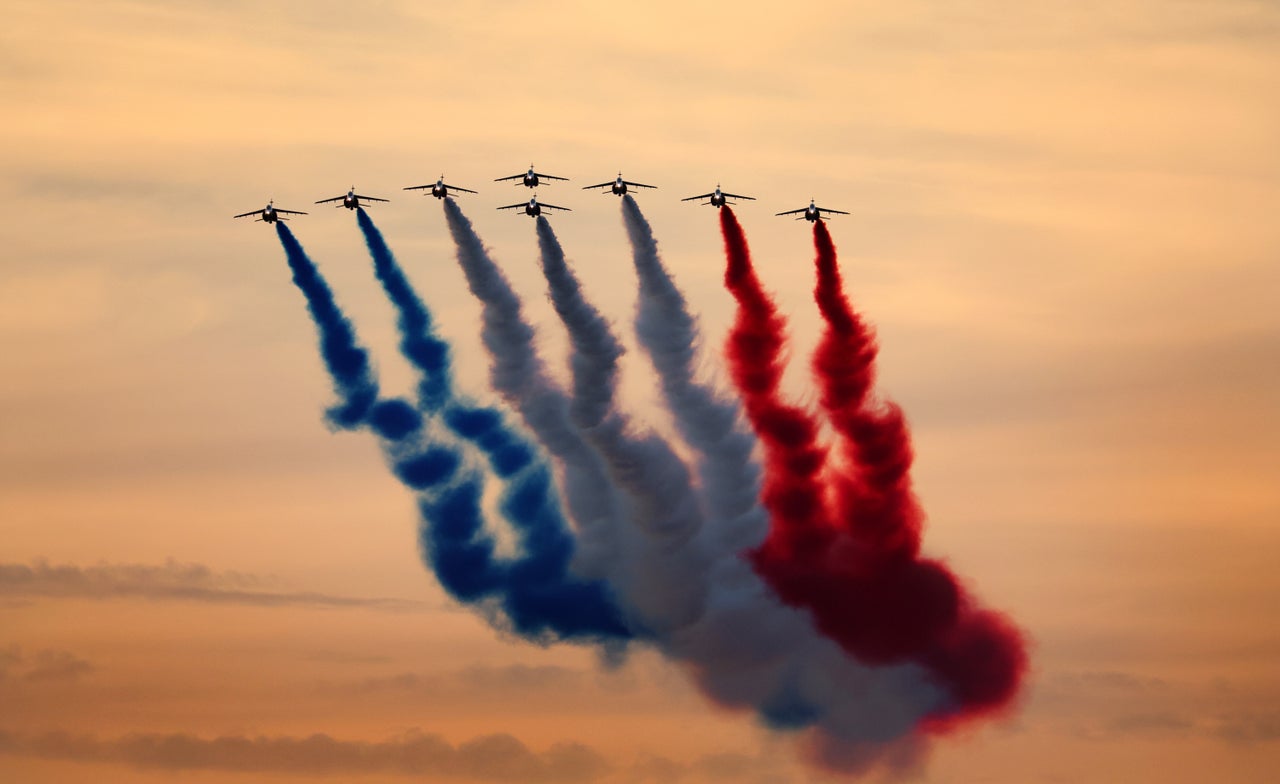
x=859 y=570
x=874 y=502
x=793 y=491
x=977 y=654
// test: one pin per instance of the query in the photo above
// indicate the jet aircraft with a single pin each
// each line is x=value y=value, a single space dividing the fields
x=531 y=178
x=618 y=186
x=813 y=212
x=719 y=198
x=533 y=207
x=439 y=189
x=269 y=213
x=350 y=201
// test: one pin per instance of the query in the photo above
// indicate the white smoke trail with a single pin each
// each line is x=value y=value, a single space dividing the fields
x=667 y=510
x=711 y=423
x=614 y=545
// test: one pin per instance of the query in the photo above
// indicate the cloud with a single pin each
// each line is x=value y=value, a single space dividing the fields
x=499 y=686
x=51 y=665
x=9 y=658
x=170 y=581
x=762 y=768
x=1152 y=723
x=498 y=757
x=1109 y=705
x=1248 y=727
x=47 y=666
x=478 y=680
x=1099 y=684
x=343 y=657
x=490 y=758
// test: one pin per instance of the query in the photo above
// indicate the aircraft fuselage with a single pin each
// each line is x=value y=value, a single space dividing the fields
x=350 y=201
x=717 y=199
x=530 y=179
x=619 y=187
x=439 y=190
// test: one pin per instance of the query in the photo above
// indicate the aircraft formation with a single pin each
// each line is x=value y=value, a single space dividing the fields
x=783 y=538
x=533 y=207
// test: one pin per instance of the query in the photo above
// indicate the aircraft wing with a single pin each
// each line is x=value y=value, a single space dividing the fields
x=835 y=212
x=513 y=206
x=554 y=207
x=519 y=176
x=247 y=214
x=550 y=177
x=288 y=212
x=791 y=212
x=417 y=187
x=456 y=188
x=369 y=198
x=695 y=198
x=335 y=198
x=638 y=184
x=608 y=184
x=737 y=196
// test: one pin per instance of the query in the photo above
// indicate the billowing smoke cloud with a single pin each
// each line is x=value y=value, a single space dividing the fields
x=745 y=648
x=852 y=556
x=531 y=593
x=797 y=593
x=749 y=648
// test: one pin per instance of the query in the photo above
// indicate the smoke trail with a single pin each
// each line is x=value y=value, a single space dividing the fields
x=860 y=574
x=793 y=491
x=530 y=594
x=921 y=609
x=418 y=342
x=707 y=421
x=520 y=378
x=747 y=650
x=348 y=364
x=874 y=499
x=664 y=506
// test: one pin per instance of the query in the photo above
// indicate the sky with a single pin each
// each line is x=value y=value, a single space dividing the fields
x=1062 y=224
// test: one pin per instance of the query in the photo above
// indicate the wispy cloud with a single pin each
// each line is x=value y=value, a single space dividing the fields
x=169 y=581
x=501 y=683
x=1249 y=727
x=50 y=665
x=1111 y=705
x=491 y=758
x=46 y=666
x=498 y=757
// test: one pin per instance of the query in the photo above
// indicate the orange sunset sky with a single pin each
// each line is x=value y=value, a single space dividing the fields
x=1063 y=225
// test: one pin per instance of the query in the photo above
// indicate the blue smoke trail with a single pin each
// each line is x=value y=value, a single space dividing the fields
x=348 y=364
x=530 y=595
x=538 y=595
x=418 y=343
